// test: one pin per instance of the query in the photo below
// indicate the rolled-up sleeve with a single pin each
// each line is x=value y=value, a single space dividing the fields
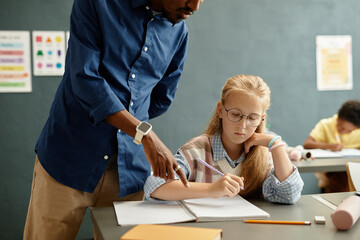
x=152 y=182
x=90 y=88
x=288 y=191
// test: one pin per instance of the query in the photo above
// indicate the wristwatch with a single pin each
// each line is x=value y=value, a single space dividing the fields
x=141 y=130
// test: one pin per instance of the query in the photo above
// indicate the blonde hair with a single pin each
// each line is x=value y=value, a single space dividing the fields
x=254 y=168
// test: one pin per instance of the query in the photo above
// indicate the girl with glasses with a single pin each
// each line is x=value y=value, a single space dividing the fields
x=253 y=163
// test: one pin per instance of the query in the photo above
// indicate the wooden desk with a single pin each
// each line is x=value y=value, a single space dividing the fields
x=306 y=208
x=324 y=164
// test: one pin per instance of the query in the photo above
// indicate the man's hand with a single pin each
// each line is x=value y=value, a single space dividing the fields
x=159 y=156
x=161 y=159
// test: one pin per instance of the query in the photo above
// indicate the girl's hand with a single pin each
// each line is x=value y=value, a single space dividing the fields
x=282 y=164
x=336 y=147
x=257 y=139
x=228 y=185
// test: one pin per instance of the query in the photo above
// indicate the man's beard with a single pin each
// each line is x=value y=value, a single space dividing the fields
x=175 y=18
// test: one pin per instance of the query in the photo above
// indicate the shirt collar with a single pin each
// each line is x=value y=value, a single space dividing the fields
x=219 y=151
x=138 y=3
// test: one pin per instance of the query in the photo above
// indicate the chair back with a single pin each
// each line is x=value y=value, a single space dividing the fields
x=353 y=174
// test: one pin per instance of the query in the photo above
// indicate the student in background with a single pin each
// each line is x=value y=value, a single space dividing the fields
x=234 y=143
x=340 y=131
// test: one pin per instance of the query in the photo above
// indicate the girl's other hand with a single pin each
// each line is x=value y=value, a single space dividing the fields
x=257 y=139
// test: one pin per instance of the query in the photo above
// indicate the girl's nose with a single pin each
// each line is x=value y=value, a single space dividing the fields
x=242 y=122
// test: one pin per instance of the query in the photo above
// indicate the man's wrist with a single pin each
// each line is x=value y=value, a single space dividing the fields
x=147 y=137
x=142 y=130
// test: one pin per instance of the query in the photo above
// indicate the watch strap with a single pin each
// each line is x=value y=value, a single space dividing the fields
x=138 y=137
x=141 y=132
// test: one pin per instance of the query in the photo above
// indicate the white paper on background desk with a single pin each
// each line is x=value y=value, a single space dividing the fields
x=200 y=210
x=324 y=201
x=320 y=153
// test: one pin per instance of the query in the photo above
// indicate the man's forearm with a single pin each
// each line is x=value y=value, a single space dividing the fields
x=124 y=121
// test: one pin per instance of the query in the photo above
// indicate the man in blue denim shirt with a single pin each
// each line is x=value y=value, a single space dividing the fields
x=123 y=64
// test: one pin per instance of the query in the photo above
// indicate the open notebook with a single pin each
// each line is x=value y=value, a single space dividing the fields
x=200 y=210
x=346 y=152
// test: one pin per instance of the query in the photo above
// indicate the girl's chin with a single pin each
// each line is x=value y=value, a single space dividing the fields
x=239 y=140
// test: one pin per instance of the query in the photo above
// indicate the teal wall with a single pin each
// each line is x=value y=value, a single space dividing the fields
x=274 y=39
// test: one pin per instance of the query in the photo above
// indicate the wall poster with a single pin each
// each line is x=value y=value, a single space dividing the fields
x=48 y=53
x=15 y=70
x=334 y=63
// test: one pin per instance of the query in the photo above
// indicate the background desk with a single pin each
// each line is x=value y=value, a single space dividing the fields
x=306 y=208
x=324 y=164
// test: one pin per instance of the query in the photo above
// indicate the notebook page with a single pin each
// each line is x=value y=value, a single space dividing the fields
x=224 y=209
x=150 y=212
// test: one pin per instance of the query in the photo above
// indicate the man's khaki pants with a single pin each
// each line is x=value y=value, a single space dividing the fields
x=56 y=211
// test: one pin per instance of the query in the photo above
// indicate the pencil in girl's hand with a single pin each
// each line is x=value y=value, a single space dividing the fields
x=209 y=166
x=337 y=137
x=212 y=168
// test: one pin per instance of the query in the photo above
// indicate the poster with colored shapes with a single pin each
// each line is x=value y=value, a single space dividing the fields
x=15 y=70
x=48 y=53
x=334 y=63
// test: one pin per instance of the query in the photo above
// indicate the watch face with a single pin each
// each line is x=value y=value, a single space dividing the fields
x=144 y=127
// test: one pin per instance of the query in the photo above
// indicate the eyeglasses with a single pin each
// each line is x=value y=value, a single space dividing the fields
x=235 y=115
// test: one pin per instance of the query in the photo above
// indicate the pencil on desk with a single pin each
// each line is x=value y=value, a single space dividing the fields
x=279 y=222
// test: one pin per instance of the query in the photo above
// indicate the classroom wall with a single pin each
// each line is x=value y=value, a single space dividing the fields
x=274 y=39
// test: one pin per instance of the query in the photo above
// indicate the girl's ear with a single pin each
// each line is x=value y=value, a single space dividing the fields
x=263 y=117
x=219 y=109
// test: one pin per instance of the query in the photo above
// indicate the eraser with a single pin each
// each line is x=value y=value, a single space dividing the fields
x=320 y=220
